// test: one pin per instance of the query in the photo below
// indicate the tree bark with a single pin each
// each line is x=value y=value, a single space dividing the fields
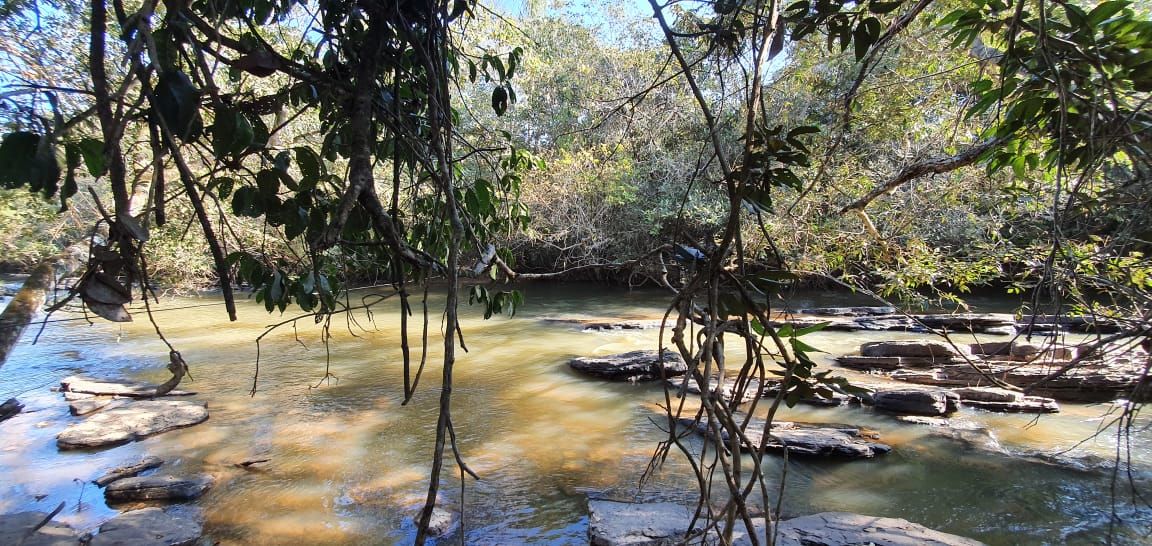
x=31 y=297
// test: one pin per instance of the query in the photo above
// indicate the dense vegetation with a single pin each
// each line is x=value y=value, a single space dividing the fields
x=906 y=147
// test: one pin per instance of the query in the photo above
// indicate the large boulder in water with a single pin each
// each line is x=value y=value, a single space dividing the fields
x=632 y=366
x=150 y=488
x=843 y=528
x=150 y=527
x=612 y=523
x=131 y=422
x=917 y=402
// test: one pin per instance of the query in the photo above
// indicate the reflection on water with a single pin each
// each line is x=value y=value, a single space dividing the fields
x=348 y=463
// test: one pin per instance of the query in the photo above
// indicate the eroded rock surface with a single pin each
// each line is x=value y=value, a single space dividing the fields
x=612 y=523
x=131 y=422
x=632 y=366
x=842 y=528
x=86 y=385
x=1004 y=400
x=917 y=402
x=15 y=527
x=151 y=527
x=150 y=488
x=806 y=439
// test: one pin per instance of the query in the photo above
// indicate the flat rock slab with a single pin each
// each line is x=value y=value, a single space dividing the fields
x=632 y=366
x=848 y=311
x=89 y=405
x=917 y=402
x=150 y=527
x=917 y=348
x=805 y=440
x=612 y=523
x=126 y=389
x=14 y=527
x=840 y=528
x=1027 y=404
x=149 y=488
x=128 y=470
x=131 y=422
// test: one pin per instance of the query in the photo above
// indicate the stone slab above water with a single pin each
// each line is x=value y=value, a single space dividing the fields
x=843 y=528
x=917 y=402
x=632 y=366
x=87 y=385
x=1004 y=400
x=128 y=470
x=151 y=488
x=612 y=523
x=150 y=527
x=14 y=529
x=804 y=439
x=131 y=422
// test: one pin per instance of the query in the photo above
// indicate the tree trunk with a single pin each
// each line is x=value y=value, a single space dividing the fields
x=31 y=297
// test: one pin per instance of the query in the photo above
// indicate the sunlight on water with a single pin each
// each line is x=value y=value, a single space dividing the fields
x=349 y=463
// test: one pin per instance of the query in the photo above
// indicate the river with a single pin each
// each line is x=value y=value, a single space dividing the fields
x=348 y=464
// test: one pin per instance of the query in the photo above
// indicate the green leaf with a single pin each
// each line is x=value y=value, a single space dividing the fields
x=223 y=186
x=500 y=100
x=311 y=168
x=93 y=152
x=1105 y=10
x=231 y=134
x=178 y=104
x=268 y=181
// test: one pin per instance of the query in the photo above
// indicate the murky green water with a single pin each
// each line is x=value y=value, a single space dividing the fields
x=348 y=463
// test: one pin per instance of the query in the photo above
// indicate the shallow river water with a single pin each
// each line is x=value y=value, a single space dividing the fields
x=348 y=464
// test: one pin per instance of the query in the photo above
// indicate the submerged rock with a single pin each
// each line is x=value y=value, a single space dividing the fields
x=150 y=527
x=15 y=529
x=842 y=528
x=688 y=385
x=131 y=422
x=917 y=402
x=632 y=366
x=149 y=488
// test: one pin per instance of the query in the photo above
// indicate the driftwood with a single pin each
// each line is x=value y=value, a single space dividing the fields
x=127 y=471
